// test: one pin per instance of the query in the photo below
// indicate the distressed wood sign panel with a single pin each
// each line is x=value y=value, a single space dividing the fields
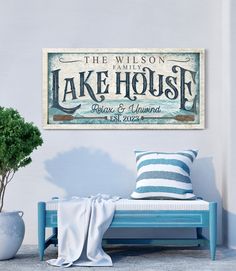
x=123 y=88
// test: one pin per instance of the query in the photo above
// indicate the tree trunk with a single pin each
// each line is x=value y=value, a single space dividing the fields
x=2 y=191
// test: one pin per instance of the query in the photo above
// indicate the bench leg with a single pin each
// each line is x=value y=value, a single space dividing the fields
x=41 y=229
x=54 y=230
x=199 y=234
x=55 y=233
x=213 y=228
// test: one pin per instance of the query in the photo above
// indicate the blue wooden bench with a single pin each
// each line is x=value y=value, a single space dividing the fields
x=130 y=217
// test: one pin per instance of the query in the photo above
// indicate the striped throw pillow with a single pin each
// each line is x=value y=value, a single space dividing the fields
x=164 y=175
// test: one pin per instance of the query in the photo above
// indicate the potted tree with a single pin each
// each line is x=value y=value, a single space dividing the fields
x=18 y=139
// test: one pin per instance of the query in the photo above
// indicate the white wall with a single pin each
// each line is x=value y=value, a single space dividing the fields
x=229 y=185
x=68 y=160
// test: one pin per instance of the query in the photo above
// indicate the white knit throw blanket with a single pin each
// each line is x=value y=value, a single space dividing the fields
x=82 y=223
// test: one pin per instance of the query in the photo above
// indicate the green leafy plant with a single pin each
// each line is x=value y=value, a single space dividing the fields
x=18 y=139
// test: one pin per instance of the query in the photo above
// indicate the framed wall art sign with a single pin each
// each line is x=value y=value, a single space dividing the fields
x=123 y=88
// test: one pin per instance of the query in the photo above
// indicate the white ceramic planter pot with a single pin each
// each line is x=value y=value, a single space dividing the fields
x=12 y=231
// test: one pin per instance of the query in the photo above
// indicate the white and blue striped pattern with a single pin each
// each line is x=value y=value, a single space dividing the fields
x=164 y=175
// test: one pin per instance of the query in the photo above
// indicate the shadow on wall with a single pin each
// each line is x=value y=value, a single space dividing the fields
x=85 y=172
x=204 y=185
x=204 y=180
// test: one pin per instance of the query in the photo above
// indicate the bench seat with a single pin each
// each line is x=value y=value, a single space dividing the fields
x=148 y=205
